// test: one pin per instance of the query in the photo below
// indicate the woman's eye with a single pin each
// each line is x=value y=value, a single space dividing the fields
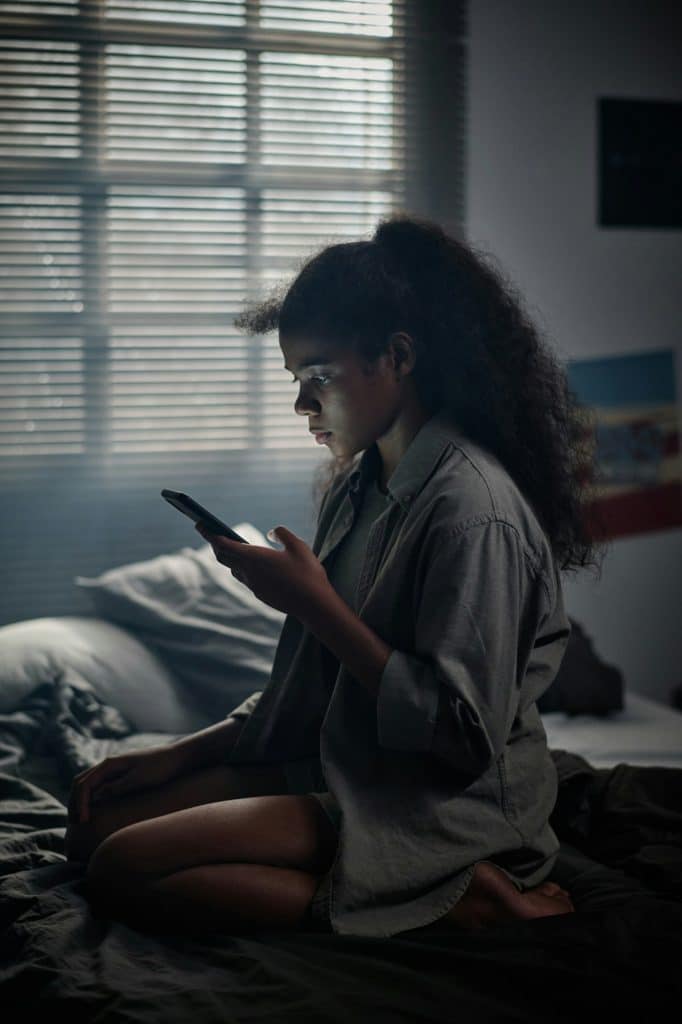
x=322 y=380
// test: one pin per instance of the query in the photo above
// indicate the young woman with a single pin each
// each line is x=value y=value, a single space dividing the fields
x=394 y=773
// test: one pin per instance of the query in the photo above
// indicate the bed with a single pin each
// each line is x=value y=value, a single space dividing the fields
x=174 y=644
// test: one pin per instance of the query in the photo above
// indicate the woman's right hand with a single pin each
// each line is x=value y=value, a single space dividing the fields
x=123 y=774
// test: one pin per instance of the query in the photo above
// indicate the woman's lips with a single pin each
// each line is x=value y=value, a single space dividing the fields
x=323 y=438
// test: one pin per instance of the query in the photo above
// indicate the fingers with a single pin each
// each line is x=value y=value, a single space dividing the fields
x=79 y=842
x=75 y=796
x=224 y=555
x=89 y=786
x=84 y=801
x=72 y=812
x=219 y=542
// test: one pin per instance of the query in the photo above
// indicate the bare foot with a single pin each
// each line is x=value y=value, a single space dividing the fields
x=492 y=898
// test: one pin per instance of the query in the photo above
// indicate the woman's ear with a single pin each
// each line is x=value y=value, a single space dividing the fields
x=403 y=353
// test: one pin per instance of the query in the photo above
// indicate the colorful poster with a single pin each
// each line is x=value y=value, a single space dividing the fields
x=638 y=482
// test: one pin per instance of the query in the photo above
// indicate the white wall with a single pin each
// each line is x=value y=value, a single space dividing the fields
x=537 y=71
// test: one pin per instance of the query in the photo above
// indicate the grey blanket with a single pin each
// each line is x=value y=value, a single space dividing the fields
x=616 y=958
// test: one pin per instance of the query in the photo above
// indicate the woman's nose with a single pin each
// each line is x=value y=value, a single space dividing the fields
x=304 y=405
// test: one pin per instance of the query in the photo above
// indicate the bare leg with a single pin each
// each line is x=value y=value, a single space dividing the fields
x=221 y=782
x=492 y=898
x=226 y=897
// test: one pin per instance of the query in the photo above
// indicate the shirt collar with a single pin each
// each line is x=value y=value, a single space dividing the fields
x=417 y=462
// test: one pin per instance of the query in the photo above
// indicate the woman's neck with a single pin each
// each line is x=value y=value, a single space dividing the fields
x=395 y=442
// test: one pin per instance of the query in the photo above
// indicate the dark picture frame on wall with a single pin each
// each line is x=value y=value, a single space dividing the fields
x=640 y=163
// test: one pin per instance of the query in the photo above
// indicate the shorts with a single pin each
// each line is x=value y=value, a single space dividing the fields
x=306 y=776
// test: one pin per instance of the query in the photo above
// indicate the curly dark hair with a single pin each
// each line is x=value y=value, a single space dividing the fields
x=479 y=357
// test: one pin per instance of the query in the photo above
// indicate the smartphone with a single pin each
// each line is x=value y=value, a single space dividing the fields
x=198 y=514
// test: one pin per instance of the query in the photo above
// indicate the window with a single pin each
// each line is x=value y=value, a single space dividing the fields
x=161 y=163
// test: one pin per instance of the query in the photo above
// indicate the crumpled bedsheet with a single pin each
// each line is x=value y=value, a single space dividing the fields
x=616 y=959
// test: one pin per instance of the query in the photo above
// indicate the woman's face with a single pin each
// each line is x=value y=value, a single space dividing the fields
x=339 y=393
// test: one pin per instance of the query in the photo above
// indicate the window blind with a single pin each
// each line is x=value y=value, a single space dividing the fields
x=161 y=164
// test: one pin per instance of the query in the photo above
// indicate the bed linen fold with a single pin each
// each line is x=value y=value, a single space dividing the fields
x=618 y=956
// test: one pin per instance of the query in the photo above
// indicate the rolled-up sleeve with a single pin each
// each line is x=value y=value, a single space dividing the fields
x=455 y=696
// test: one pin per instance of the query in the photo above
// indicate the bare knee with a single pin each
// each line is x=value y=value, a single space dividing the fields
x=112 y=874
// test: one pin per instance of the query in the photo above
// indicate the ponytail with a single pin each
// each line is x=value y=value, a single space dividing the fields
x=479 y=357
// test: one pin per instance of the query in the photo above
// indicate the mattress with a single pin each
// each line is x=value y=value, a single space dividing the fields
x=644 y=732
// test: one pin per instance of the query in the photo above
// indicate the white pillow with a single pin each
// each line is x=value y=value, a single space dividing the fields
x=91 y=654
x=209 y=629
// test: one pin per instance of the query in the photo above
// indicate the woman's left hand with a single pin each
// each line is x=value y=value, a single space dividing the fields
x=292 y=580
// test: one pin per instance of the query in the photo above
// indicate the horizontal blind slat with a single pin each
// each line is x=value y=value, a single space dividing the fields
x=124 y=257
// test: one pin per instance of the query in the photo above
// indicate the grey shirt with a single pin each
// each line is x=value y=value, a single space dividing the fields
x=449 y=765
x=344 y=568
